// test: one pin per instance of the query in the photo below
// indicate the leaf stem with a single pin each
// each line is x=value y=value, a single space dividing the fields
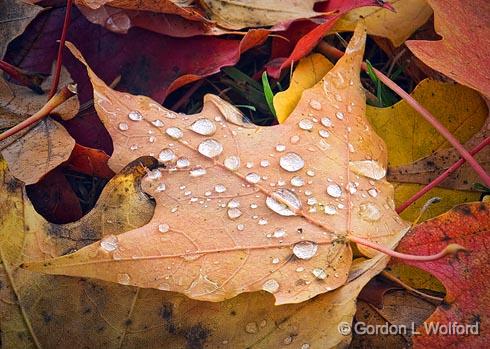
x=64 y=94
x=449 y=249
x=332 y=51
x=59 y=59
x=441 y=177
x=31 y=80
x=409 y=288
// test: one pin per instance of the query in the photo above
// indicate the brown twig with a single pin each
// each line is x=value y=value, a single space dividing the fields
x=31 y=80
x=64 y=94
x=336 y=53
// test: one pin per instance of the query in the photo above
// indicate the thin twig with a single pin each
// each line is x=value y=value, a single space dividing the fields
x=59 y=59
x=332 y=51
x=64 y=94
x=31 y=80
x=409 y=288
x=185 y=97
x=439 y=179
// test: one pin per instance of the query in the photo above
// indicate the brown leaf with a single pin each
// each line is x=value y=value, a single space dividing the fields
x=38 y=151
x=292 y=203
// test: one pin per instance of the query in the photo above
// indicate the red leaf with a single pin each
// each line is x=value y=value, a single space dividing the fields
x=92 y=162
x=464 y=275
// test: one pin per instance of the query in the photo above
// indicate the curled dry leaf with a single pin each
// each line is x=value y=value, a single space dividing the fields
x=464 y=275
x=116 y=316
x=38 y=151
x=397 y=25
x=231 y=218
x=461 y=54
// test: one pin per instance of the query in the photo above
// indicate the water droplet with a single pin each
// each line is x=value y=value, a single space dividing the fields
x=157 y=123
x=271 y=286
x=339 y=115
x=135 y=116
x=240 y=227
x=123 y=278
x=314 y=104
x=161 y=187
x=334 y=190
x=351 y=187
x=263 y=221
x=249 y=164
x=297 y=181
x=251 y=327
x=109 y=243
x=182 y=163
x=294 y=139
x=152 y=139
x=369 y=212
x=310 y=173
x=197 y=172
x=252 y=178
x=305 y=124
x=233 y=203
x=330 y=209
x=154 y=174
x=311 y=201
x=305 y=346
x=123 y=126
x=203 y=127
x=291 y=162
x=319 y=273
x=300 y=269
x=373 y=192
x=174 y=132
x=232 y=163
x=280 y=147
x=234 y=213
x=133 y=147
x=254 y=205
x=326 y=122
x=264 y=163
x=219 y=188
x=279 y=233
x=368 y=168
x=163 y=228
x=166 y=155
x=305 y=249
x=210 y=148
x=288 y=340
x=283 y=202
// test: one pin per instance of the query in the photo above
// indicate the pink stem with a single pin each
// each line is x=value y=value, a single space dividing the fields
x=441 y=177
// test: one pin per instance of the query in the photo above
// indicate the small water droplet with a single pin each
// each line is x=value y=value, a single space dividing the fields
x=368 y=168
x=233 y=203
x=161 y=187
x=166 y=155
x=291 y=162
x=157 y=123
x=264 y=163
x=234 y=213
x=326 y=122
x=316 y=105
x=300 y=269
x=240 y=227
x=284 y=202
x=305 y=249
x=163 y=228
x=174 y=132
x=339 y=115
x=305 y=346
x=210 y=148
x=232 y=163
x=135 y=116
x=203 y=127
x=271 y=286
x=324 y=133
x=330 y=209
x=154 y=174
x=123 y=126
x=197 y=172
x=297 y=181
x=334 y=190
x=280 y=147
x=311 y=201
x=369 y=212
x=133 y=147
x=182 y=163
x=279 y=233
x=288 y=340
x=123 y=279
x=310 y=173
x=252 y=178
x=373 y=192
x=305 y=124
x=263 y=221
x=109 y=243
x=294 y=139
x=351 y=187
x=219 y=188
x=251 y=327
x=319 y=273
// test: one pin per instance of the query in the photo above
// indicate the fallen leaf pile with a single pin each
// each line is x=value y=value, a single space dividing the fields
x=216 y=174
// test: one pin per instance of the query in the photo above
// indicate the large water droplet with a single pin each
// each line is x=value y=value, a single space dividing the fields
x=368 y=168
x=305 y=249
x=166 y=155
x=334 y=190
x=283 y=202
x=271 y=286
x=203 y=127
x=109 y=243
x=369 y=212
x=154 y=174
x=291 y=162
x=135 y=116
x=252 y=178
x=232 y=163
x=174 y=132
x=210 y=148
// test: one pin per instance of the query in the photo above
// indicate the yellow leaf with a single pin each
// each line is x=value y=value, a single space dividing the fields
x=308 y=72
x=396 y=26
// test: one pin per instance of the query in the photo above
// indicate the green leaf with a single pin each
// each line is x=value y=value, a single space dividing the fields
x=269 y=96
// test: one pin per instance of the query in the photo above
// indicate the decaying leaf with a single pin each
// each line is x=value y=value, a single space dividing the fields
x=317 y=181
x=257 y=13
x=18 y=102
x=40 y=150
x=15 y=15
x=118 y=316
x=396 y=25
x=309 y=71
x=462 y=54
x=464 y=275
